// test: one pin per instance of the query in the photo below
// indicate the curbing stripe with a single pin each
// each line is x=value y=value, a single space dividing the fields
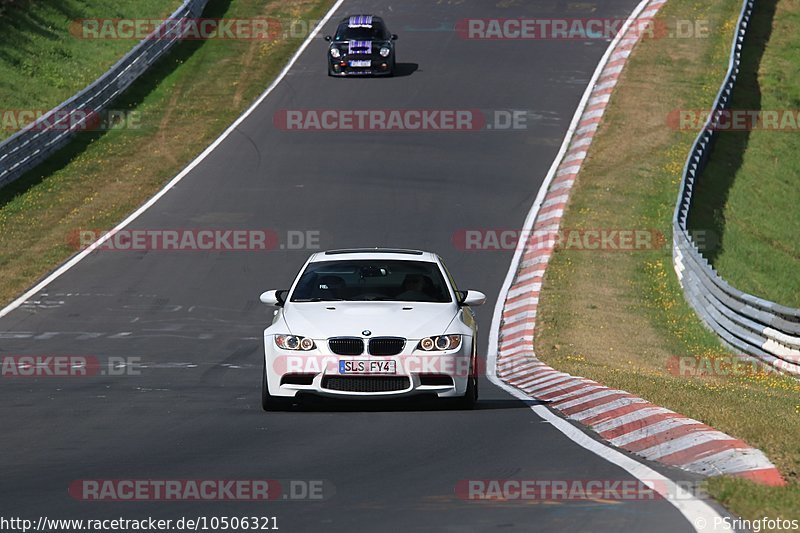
x=619 y=425
x=602 y=402
x=658 y=424
x=585 y=394
x=607 y=410
x=691 y=428
x=644 y=419
x=694 y=510
x=624 y=420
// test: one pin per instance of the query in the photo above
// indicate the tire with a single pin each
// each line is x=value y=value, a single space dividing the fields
x=470 y=398
x=268 y=401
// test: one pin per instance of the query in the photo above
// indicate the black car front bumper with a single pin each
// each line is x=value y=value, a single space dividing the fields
x=379 y=66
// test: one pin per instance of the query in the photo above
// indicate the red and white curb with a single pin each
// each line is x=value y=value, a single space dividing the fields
x=620 y=418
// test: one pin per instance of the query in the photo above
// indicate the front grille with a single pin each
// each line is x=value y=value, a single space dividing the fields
x=365 y=383
x=386 y=345
x=346 y=346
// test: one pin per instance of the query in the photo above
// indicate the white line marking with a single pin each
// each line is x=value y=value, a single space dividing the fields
x=690 y=507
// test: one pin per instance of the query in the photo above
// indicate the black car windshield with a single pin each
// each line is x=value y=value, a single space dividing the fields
x=372 y=280
x=376 y=32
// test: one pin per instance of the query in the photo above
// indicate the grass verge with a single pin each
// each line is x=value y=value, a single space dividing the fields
x=42 y=63
x=749 y=195
x=620 y=317
x=185 y=102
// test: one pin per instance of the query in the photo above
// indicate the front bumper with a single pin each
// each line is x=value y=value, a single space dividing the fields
x=380 y=66
x=444 y=374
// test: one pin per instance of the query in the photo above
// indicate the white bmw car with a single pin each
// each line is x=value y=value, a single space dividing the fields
x=371 y=323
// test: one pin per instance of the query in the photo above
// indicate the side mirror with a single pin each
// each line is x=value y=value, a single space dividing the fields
x=328 y=38
x=276 y=298
x=471 y=298
x=394 y=36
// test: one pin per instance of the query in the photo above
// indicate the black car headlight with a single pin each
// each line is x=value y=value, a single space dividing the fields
x=385 y=51
x=294 y=343
x=336 y=53
x=440 y=344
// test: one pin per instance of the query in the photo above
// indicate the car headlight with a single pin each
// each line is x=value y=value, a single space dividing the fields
x=385 y=51
x=294 y=342
x=440 y=344
x=335 y=53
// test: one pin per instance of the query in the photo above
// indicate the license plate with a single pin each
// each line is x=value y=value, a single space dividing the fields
x=367 y=367
x=361 y=63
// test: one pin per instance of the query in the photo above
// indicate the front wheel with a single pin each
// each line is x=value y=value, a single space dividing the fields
x=268 y=401
x=470 y=398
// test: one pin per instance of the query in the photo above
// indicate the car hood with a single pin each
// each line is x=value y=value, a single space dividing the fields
x=412 y=320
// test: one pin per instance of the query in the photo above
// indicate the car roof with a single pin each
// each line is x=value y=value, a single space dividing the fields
x=399 y=254
x=365 y=18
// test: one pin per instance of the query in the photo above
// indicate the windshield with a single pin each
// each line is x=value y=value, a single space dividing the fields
x=346 y=33
x=372 y=280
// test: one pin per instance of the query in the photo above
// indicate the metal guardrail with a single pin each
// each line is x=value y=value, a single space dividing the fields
x=36 y=142
x=748 y=324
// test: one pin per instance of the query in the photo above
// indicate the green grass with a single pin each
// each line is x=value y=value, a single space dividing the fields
x=42 y=63
x=620 y=318
x=750 y=193
x=101 y=177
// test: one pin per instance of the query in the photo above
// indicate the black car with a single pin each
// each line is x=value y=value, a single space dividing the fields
x=361 y=46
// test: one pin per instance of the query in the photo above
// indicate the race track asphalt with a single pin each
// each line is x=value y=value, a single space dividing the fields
x=195 y=321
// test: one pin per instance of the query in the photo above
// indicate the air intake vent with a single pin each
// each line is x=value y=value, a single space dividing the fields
x=297 y=379
x=437 y=380
x=366 y=383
